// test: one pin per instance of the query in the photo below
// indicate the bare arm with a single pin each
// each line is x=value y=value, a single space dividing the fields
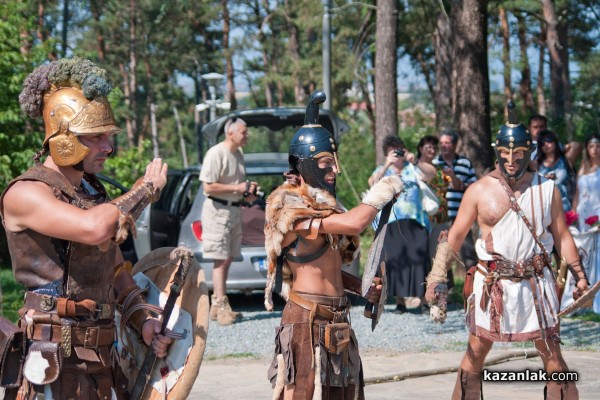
x=32 y=205
x=217 y=188
x=573 y=151
x=390 y=160
x=563 y=241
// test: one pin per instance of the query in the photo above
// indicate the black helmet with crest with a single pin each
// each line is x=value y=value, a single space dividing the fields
x=311 y=142
x=512 y=136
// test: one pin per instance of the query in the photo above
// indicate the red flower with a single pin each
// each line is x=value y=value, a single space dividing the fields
x=571 y=217
x=592 y=221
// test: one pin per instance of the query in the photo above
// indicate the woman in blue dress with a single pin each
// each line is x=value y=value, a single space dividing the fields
x=406 y=241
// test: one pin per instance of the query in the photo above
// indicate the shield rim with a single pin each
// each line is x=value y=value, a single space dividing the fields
x=154 y=262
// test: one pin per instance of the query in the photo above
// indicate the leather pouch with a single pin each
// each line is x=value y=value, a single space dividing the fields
x=468 y=286
x=12 y=354
x=335 y=337
x=43 y=362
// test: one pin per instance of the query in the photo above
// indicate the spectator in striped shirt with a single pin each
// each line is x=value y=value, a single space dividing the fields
x=460 y=169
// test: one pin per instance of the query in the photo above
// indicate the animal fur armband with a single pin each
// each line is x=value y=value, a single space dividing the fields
x=383 y=191
x=444 y=256
x=131 y=205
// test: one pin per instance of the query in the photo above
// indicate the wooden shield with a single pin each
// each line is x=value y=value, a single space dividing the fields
x=176 y=373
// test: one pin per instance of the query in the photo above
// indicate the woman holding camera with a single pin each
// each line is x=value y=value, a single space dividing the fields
x=406 y=241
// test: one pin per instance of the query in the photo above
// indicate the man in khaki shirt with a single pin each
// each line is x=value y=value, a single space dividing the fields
x=223 y=175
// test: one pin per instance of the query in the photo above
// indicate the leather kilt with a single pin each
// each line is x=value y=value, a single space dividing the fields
x=308 y=365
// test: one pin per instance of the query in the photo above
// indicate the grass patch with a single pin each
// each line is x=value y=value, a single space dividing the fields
x=12 y=295
x=588 y=316
x=213 y=357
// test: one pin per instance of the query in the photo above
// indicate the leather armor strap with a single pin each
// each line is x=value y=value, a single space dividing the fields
x=579 y=273
x=64 y=307
x=516 y=208
x=88 y=337
x=131 y=205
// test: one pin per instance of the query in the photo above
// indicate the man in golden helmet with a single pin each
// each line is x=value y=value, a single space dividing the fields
x=63 y=235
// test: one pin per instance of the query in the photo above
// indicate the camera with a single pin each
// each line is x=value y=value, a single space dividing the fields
x=399 y=152
x=256 y=191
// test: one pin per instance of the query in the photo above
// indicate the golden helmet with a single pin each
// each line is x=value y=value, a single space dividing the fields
x=68 y=114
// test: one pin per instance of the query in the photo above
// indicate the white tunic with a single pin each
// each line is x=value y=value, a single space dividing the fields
x=512 y=240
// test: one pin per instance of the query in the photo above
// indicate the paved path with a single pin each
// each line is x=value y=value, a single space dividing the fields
x=238 y=378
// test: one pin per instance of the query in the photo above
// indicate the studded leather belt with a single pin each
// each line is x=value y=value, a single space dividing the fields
x=88 y=337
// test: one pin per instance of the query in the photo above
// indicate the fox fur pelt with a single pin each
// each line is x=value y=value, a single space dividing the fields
x=286 y=205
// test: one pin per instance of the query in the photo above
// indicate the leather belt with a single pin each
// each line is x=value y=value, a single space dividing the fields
x=226 y=202
x=316 y=308
x=320 y=310
x=88 y=337
x=64 y=307
x=504 y=269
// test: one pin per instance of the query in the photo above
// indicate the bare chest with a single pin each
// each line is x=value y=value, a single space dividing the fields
x=494 y=205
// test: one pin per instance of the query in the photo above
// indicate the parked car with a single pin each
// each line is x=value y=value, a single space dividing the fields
x=175 y=219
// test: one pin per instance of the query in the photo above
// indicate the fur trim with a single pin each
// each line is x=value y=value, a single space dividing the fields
x=383 y=191
x=279 y=385
x=318 y=392
x=288 y=204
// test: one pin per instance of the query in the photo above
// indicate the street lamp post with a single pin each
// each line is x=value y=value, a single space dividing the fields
x=214 y=80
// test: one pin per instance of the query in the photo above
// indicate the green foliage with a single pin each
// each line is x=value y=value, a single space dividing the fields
x=587 y=97
x=357 y=160
x=128 y=165
x=16 y=146
x=11 y=294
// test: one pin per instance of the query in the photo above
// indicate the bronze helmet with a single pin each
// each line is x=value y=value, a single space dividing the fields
x=69 y=114
x=311 y=142
x=513 y=135
x=70 y=94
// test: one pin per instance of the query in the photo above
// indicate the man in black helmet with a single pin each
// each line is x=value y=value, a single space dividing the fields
x=513 y=292
x=308 y=239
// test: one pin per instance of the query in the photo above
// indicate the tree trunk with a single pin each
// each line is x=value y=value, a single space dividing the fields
x=228 y=56
x=386 y=100
x=127 y=100
x=566 y=82
x=539 y=89
x=505 y=53
x=131 y=101
x=525 y=83
x=65 y=28
x=470 y=82
x=556 y=63
x=41 y=31
x=442 y=43
x=97 y=14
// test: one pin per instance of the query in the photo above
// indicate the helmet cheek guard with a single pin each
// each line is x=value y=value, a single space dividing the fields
x=310 y=143
x=69 y=114
x=511 y=137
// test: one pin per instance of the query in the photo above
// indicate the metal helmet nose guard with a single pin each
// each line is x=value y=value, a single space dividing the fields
x=512 y=136
x=311 y=142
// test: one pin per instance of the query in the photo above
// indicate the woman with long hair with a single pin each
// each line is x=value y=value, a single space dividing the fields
x=587 y=206
x=553 y=164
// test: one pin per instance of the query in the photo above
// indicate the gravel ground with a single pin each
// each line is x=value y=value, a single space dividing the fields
x=410 y=332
